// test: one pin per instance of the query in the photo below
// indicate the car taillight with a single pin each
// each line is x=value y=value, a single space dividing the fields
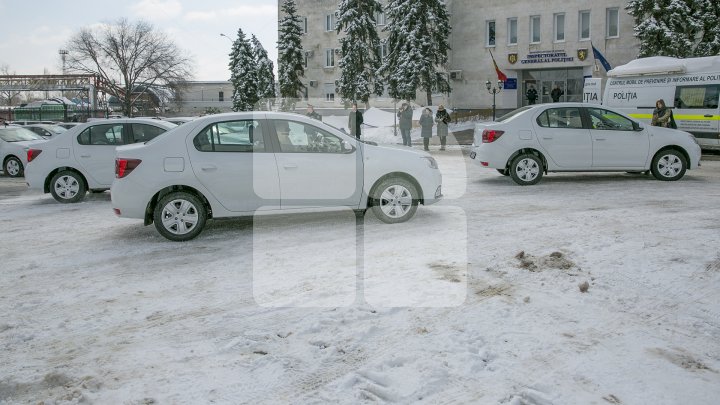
x=491 y=135
x=32 y=154
x=123 y=167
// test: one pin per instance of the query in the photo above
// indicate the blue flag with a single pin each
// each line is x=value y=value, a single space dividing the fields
x=599 y=57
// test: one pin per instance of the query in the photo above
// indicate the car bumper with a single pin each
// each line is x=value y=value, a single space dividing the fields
x=482 y=156
x=432 y=188
x=34 y=179
x=129 y=198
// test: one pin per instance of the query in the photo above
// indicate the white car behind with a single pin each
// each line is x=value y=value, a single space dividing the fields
x=14 y=145
x=231 y=165
x=573 y=137
x=83 y=158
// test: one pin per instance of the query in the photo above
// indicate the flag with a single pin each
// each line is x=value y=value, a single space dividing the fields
x=600 y=58
x=500 y=75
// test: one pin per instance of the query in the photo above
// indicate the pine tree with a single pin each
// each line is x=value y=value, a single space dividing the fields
x=418 y=48
x=360 y=49
x=243 y=74
x=678 y=28
x=290 y=53
x=265 y=74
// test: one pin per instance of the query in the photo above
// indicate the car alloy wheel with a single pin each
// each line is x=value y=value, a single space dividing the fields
x=669 y=165
x=526 y=169
x=13 y=167
x=67 y=187
x=180 y=216
x=396 y=201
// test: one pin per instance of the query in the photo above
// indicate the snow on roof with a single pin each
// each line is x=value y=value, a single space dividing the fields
x=658 y=65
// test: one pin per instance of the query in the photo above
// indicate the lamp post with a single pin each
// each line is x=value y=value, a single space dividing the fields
x=494 y=91
x=228 y=38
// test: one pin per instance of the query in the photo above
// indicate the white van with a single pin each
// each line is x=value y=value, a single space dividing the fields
x=691 y=87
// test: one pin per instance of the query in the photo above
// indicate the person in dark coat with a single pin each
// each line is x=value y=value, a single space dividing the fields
x=355 y=121
x=662 y=116
x=532 y=95
x=426 y=123
x=556 y=93
x=312 y=113
x=405 y=117
x=442 y=119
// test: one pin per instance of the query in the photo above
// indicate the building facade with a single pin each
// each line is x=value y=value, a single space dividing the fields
x=542 y=45
x=199 y=96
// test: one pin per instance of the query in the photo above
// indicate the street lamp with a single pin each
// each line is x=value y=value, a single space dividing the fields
x=228 y=38
x=494 y=91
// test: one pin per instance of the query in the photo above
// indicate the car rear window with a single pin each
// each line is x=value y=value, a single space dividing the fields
x=513 y=114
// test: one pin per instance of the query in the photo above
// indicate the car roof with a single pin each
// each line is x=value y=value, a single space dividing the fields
x=150 y=121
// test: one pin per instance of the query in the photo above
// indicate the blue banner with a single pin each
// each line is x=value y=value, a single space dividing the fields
x=600 y=58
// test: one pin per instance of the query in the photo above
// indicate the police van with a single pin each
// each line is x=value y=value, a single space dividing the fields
x=690 y=87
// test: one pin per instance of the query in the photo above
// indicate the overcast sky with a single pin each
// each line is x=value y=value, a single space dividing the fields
x=32 y=32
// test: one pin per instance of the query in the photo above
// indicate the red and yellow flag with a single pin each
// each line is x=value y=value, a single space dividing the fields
x=500 y=74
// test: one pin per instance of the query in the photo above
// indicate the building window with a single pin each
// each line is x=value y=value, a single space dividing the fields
x=512 y=31
x=584 y=25
x=330 y=92
x=380 y=18
x=304 y=25
x=613 y=23
x=221 y=96
x=329 y=23
x=383 y=51
x=490 y=33
x=305 y=59
x=329 y=58
x=535 y=29
x=559 y=27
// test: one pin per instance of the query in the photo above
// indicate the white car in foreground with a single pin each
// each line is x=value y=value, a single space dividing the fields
x=240 y=164
x=83 y=158
x=574 y=137
x=14 y=144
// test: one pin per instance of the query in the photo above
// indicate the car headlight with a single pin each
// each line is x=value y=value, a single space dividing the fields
x=431 y=161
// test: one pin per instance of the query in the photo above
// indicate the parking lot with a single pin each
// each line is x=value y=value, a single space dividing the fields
x=475 y=300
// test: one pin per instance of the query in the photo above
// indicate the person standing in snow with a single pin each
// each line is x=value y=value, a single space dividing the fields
x=405 y=115
x=442 y=118
x=355 y=121
x=426 y=123
x=312 y=113
x=532 y=95
x=662 y=116
x=556 y=93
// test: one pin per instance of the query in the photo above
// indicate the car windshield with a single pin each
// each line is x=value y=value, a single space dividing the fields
x=18 y=135
x=513 y=114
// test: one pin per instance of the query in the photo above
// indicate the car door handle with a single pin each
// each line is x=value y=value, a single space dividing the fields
x=209 y=168
x=290 y=166
x=709 y=115
x=599 y=139
x=84 y=156
x=547 y=138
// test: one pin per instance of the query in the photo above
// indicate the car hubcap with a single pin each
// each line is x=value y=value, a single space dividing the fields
x=395 y=201
x=179 y=217
x=67 y=187
x=669 y=166
x=13 y=167
x=527 y=169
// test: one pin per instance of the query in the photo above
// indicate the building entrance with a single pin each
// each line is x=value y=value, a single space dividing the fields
x=569 y=82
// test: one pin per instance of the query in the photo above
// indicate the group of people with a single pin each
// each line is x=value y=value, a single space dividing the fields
x=405 y=118
x=532 y=95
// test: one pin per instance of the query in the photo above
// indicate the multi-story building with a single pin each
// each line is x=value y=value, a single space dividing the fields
x=199 y=96
x=540 y=44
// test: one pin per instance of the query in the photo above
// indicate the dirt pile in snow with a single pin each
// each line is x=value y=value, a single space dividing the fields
x=553 y=261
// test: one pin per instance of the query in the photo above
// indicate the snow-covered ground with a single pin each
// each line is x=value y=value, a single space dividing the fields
x=312 y=309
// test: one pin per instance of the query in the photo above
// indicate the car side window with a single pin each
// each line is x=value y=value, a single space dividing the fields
x=565 y=117
x=298 y=137
x=232 y=136
x=608 y=120
x=145 y=132
x=106 y=134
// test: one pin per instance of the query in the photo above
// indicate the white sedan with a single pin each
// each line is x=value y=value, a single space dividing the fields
x=240 y=164
x=573 y=137
x=83 y=158
x=14 y=144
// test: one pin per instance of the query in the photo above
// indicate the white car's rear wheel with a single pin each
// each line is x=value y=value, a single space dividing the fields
x=526 y=169
x=180 y=216
x=395 y=200
x=67 y=187
x=13 y=167
x=669 y=165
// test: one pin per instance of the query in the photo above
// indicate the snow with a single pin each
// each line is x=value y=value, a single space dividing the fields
x=303 y=308
x=665 y=65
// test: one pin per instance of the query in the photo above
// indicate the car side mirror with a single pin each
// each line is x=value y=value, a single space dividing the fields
x=637 y=127
x=347 y=147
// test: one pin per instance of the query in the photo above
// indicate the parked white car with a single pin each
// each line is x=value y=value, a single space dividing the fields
x=47 y=131
x=573 y=137
x=14 y=145
x=83 y=158
x=240 y=164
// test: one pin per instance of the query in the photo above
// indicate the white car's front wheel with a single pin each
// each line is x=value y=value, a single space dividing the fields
x=13 y=167
x=669 y=165
x=395 y=200
x=67 y=187
x=526 y=169
x=180 y=216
